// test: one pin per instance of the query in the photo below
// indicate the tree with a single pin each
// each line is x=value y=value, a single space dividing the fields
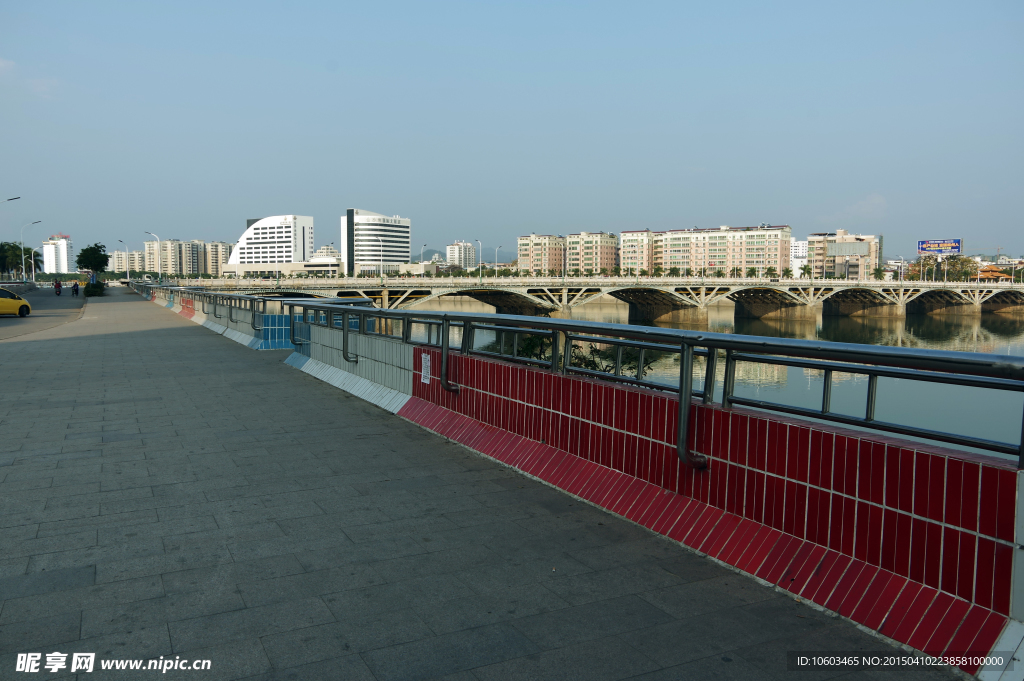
x=719 y=273
x=616 y=271
x=93 y=258
x=658 y=270
x=771 y=272
x=805 y=271
x=688 y=272
x=751 y=271
x=736 y=272
x=603 y=271
x=643 y=272
x=673 y=271
x=575 y=272
x=878 y=273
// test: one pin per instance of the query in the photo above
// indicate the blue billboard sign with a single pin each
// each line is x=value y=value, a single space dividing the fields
x=939 y=247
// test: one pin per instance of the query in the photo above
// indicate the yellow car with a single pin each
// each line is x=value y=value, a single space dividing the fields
x=12 y=303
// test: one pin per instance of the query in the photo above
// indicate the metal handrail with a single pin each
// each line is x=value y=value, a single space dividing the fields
x=955 y=368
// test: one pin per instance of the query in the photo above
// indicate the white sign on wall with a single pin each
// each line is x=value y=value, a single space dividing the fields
x=425 y=377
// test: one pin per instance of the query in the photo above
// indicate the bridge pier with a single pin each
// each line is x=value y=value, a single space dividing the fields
x=758 y=309
x=940 y=307
x=640 y=313
x=832 y=307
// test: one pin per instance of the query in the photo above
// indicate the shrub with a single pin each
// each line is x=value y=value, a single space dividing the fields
x=93 y=289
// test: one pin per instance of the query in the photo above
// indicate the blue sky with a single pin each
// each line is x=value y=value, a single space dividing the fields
x=486 y=120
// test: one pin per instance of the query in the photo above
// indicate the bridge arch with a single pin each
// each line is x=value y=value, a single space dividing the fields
x=759 y=302
x=1010 y=301
x=860 y=301
x=942 y=301
x=505 y=301
x=651 y=303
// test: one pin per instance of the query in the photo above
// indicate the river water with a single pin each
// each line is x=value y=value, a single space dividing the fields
x=988 y=414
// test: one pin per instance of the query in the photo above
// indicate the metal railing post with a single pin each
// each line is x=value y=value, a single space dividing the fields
x=445 y=330
x=869 y=414
x=554 y=350
x=729 y=383
x=709 y=376
x=695 y=461
x=826 y=393
x=344 y=338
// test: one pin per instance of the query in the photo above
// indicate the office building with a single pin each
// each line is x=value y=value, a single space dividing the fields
x=541 y=254
x=462 y=254
x=797 y=257
x=592 y=252
x=842 y=255
x=58 y=255
x=371 y=241
x=273 y=240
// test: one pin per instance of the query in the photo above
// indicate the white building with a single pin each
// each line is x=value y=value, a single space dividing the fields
x=216 y=257
x=371 y=241
x=58 y=255
x=125 y=261
x=277 y=239
x=462 y=254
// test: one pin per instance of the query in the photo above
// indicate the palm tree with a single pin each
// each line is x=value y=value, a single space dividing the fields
x=805 y=271
x=771 y=272
x=787 y=273
x=673 y=271
x=878 y=273
x=736 y=272
x=751 y=271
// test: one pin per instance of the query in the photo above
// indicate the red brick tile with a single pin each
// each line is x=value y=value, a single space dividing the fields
x=954 y=492
x=908 y=484
x=950 y=623
x=969 y=488
x=839 y=477
x=823 y=452
x=950 y=559
x=724 y=529
x=758 y=428
x=799 y=448
x=858 y=590
x=931 y=621
x=758 y=549
x=844 y=585
x=821 y=572
x=933 y=555
x=908 y=596
x=876 y=479
x=914 y=614
x=965 y=566
x=936 y=488
x=782 y=553
x=803 y=567
x=775 y=461
x=818 y=515
x=860 y=544
x=676 y=513
x=722 y=430
x=892 y=477
x=686 y=521
x=882 y=605
x=986 y=638
x=755 y=496
x=738 y=438
x=872 y=592
x=625 y=496
x=656 y=508
x=985 y=572
x=890 y=541
x=645 y=496
x=972 y=623
x=1002 y=579
x=703 y=527
x=849 y=522
x=922 y=469
x=1007 y=508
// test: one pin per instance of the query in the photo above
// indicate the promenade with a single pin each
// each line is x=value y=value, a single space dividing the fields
x=165 y=491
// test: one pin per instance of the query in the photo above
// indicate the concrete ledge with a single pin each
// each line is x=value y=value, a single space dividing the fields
x=385 y=398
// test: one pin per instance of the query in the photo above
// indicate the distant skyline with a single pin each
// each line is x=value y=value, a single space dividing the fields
x=491 y=120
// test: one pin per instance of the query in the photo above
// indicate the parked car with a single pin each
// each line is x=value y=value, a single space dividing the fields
x=12 y=303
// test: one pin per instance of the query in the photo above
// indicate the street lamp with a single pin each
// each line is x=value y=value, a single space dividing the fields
x=902 y=262
x=381 y=264
x=159 y=265
x=23 y=245
x=33 y=259
x=479 y=270
x=12 y=199
x=127 y=272
x=424 y=267
x=496 y=261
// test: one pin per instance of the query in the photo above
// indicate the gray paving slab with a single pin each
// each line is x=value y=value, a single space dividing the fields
x=201 y=499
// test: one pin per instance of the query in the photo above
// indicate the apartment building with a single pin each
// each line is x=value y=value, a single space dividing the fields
x=461 y=254
x=125 y=261
x=541 y=254
x=732 y=250
x=215 y=257
x=58 y=255
x=592 y=252
x=842 y=255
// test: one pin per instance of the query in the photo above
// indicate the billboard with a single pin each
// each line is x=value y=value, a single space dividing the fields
x=847 y=248
x=939 y=247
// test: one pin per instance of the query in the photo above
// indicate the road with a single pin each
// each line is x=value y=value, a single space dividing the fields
x=48 y=310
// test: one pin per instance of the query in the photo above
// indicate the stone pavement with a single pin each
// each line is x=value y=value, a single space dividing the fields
x=165 y=491
x=48 y=310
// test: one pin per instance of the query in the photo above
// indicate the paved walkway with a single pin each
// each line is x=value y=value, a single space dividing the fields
x=166 y=491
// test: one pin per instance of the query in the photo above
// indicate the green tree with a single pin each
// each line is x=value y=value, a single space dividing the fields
x=93 y=258
x=805 y=271
x=719 y=273
x=603 y=271
x=736 y=272
x=771 y=272
x=751 y=271
x=878 y=273
x=688 y=272
x=658 y=270
x=673 y=271
x=787 y=273
x=643 y=272
x=617 y=271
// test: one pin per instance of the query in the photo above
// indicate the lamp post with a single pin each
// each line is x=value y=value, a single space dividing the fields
x=496 y=261
x=159 y=265
x=23 y=245
x=424 y=272
x=902 y=262
x=33 y=260
x=14 y=198
x=479 y=268
x=381 y=261
x=127 y=267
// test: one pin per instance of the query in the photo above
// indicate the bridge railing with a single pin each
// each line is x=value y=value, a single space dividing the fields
x=622 y=353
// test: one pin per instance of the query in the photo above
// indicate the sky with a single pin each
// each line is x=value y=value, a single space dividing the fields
x=489 y=120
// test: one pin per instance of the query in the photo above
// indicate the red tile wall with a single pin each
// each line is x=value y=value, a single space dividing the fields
x=856 y=522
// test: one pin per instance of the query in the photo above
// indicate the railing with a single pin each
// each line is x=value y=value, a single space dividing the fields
x=555 y=345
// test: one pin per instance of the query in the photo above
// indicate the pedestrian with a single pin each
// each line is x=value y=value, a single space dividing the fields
x=74 y=289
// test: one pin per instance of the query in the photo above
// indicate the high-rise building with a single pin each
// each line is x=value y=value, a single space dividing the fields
x=462 y=254
x=541 y=254
x=277 y=239
x=58 y=255
x=732 y=250
x=636 y=251
x=592 y=252
x=215 y=257
x=126 y=261
x=843 y=255
x=371 y=241
x=164 y=256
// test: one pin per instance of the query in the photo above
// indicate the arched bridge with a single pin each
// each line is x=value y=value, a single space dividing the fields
x=659 y=298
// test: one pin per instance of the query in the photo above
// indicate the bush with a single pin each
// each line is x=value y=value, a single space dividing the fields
x=93 y=289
